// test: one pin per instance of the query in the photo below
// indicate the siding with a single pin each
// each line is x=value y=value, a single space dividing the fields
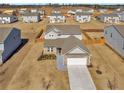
x=116 y=41
x=29 y=19
x=11 y=43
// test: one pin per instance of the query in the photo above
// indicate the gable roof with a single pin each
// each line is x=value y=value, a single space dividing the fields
x=31 y=14
x=108 y=15
x=56 y=14
x=66 y=44
x=6 y=15
x=4 y=32
x=82 y=13
x=64 y=29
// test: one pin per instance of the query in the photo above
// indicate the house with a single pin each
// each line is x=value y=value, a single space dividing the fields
x=23 y=11
x=10 y=12
x=61 y=31
x=102 y=10
x=10 y=39
x=64 y=42
x=109 y=18
x=5 y=18
x=120 y=14
x=82 y=17
x=72 y=12
x=114 y=37
x=56 y=18
x=31 y=17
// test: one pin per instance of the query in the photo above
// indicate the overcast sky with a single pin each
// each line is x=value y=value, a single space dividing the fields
x=62 y=1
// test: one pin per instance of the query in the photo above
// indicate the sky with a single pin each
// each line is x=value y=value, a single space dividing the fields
x=63 y=1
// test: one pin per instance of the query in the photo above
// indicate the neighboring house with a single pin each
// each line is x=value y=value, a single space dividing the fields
x=62 y=31
x=62 y=41
x=23 y=11
x=114 y=36
x=5 y=18
x=56 y=18
x=109 y=18
x=31 y=17
x=82 y=17
x=10 y=12
x=72 y=12
x=120 y=14
x=102 y=10
x=10 y=39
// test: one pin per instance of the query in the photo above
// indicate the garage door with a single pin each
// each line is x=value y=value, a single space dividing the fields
x=76 y=61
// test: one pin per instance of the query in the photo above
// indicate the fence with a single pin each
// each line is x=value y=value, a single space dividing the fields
x=94 y=41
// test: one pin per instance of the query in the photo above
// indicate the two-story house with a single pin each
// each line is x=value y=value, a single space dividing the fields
x=5 y=18
x=56 y=18
x=109 y=18
x=82 y=17
x=65 y=42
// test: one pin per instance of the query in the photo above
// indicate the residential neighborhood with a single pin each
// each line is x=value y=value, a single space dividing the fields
x=62 y=47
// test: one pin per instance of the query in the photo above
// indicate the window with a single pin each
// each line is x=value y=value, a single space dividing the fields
x=111 y=34
x=105 y=32
x=48 y=49
x=51 y=49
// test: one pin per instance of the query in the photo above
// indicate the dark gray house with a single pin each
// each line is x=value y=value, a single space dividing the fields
x=114 y=36
x=10 y=39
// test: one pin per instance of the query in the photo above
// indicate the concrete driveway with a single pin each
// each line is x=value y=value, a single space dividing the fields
x=79 y=78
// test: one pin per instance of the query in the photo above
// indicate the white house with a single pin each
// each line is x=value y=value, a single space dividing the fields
x=5 y=18
x=82 y=17
x=31 y=17
x=61 y=31
x=109 y=18
x=56 y=18
x=10 y=39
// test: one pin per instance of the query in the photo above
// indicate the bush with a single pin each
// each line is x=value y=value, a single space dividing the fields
x=47 y=56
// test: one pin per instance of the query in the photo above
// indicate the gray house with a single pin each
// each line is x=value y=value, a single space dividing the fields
x=114 y=36
x=5 y=18
x=109 y=18
x=10 y=39
x=31 y=17
x=82 y=17
x=56 y=18
x=68 y=49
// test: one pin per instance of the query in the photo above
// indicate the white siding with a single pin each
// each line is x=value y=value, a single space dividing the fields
x=77 y=51
x=51 y=35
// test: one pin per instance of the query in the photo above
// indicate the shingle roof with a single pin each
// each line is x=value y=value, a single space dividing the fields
x=56 y=14
x=6 y=15
x=109 y=15
x=4 y=32
x=66 y=44
x=64 y=29
x=82 y=13
x=31 y=14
